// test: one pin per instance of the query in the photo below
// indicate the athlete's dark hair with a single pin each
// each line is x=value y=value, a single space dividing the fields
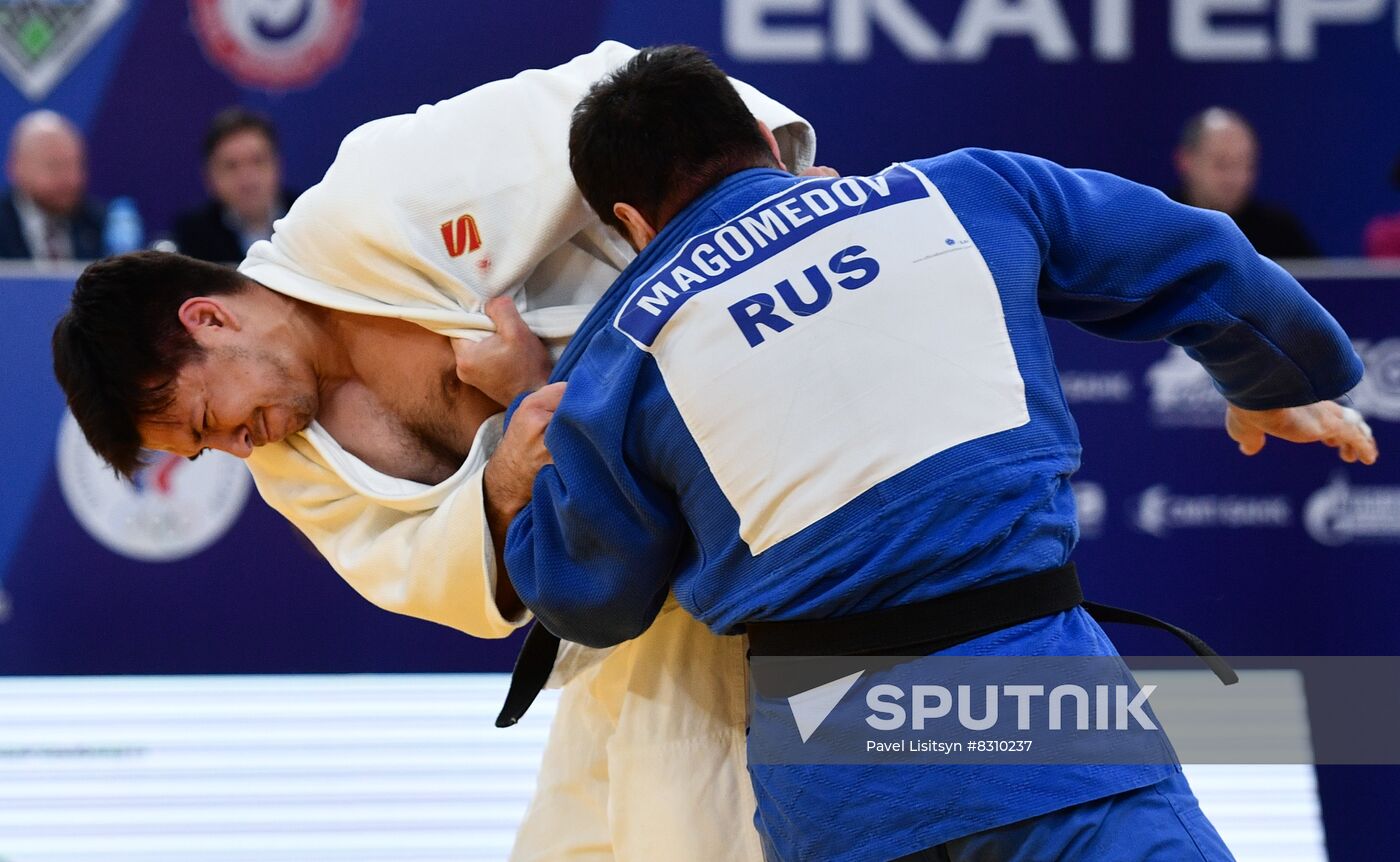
x=659 y=131
x=118 y=348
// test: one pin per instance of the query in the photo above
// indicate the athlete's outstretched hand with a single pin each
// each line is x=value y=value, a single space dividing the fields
x=506 y=363
x=1325 y=422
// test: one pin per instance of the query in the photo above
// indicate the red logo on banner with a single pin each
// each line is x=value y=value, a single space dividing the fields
x=275 y=44
x=173 y=509
x=159 y=474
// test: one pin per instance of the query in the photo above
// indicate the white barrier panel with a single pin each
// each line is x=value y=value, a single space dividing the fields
x=372 y=768
x=407 y=768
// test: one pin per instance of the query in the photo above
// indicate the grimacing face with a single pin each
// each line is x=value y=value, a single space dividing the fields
x=233 y=399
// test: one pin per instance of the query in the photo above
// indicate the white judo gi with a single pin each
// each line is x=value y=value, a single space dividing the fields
x=424 y=217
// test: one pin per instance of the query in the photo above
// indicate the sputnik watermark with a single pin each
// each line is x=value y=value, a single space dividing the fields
x=982 y=709
x=1054 y=710
x=1115 y=707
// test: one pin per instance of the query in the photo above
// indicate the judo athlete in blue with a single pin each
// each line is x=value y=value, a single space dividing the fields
x=817 y=399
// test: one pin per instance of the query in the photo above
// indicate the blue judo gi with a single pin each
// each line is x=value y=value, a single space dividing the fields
x=816 y=398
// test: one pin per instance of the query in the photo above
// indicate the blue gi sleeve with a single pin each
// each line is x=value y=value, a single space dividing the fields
x=1123 y=261
x=592 y=555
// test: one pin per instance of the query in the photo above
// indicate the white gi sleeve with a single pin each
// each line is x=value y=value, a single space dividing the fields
x=435 y=564
x=426 y=216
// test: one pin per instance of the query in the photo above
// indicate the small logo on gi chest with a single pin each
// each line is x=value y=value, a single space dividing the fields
x=461 y=236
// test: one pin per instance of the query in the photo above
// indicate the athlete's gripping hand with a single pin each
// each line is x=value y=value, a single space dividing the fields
x=820 y=171
x=1325 y=422
x=506 y=363
x=509 y=480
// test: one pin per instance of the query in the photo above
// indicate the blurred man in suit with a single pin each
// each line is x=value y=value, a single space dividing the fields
x=1218 y=162
x=243 y=172
x=46 y=213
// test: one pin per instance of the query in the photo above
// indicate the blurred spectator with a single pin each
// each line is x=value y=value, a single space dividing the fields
x=46 y=213
x=243 y=172
x=1217 y=160
x=1382 y=237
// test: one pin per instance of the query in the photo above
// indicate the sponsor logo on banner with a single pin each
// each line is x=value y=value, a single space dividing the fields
x=174 y=509
x=1340 y=513
x=1091 y=505
x=1097 y=387
x=1182 y=395
x=1377 y=396
x=276 y=44
x=1200 y=31
x=1159 y=511
x=42 y=40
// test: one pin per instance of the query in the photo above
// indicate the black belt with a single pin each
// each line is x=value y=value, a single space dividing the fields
x=532 y=669
x=931 y=626
x=916 y=629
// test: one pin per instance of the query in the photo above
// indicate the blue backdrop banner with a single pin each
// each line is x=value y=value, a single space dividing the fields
x=1291 y=552
x=1091 y=83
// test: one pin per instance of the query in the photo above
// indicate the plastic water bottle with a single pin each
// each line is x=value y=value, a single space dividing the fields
x=123 y=232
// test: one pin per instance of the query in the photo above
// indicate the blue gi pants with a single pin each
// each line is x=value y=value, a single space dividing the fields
x=1158 y=823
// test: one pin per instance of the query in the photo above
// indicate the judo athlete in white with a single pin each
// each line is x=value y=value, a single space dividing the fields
x=328 y=365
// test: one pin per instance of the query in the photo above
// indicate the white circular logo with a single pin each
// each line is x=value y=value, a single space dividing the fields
x=1091 y=505
x=276 y=45
x=174 y=509
x=1378 y=393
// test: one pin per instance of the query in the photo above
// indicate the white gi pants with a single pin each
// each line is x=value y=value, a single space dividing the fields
x=645 y=760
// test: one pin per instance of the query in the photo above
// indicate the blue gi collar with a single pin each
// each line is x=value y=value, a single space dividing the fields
x=653 y=255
